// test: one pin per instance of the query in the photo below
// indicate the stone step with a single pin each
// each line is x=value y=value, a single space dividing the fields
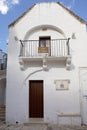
x=35 y=124
x=57 y=127
x=35 y=127
x=2 y=110
x=4 y=126
x=2 y=117
x=2 y=113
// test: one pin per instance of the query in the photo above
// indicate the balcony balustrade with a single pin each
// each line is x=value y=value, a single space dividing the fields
x=51 y=48
x=44 y=50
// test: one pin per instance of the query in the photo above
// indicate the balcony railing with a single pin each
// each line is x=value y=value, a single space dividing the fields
x=52 y=48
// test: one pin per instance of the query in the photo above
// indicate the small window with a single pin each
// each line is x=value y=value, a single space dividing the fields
x=44 y=41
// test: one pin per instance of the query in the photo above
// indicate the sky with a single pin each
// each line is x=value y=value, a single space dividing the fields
x=10 y=10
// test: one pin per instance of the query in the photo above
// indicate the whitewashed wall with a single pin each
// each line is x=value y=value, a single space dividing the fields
x=60 y=23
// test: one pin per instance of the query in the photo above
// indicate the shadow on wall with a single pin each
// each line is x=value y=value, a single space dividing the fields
x=50 y=64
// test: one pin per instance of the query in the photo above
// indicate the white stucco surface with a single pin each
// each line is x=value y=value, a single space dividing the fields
x=59 y=24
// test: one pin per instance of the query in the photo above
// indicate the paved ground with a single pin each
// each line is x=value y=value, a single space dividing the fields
x=3 y=126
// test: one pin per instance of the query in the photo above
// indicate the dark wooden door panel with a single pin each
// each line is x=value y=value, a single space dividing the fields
x=35 y=99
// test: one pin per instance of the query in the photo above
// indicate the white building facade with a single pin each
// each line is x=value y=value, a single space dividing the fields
x=46 y=68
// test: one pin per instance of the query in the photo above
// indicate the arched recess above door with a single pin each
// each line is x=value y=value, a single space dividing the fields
x=44 y=28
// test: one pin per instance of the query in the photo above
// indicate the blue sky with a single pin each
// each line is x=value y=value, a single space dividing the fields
x=12 y=9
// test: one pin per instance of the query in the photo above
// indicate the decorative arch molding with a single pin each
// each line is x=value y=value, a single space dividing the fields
x=43 y=27
x=32 y=73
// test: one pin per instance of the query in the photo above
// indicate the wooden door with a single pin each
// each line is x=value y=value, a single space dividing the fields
x=36 y=99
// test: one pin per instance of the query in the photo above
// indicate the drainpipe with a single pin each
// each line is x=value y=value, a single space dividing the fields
x=68 y=48
x=21 y=48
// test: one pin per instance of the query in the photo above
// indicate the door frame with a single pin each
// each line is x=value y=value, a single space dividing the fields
x=81 y=94
x=42 y=97
x=44 y=38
